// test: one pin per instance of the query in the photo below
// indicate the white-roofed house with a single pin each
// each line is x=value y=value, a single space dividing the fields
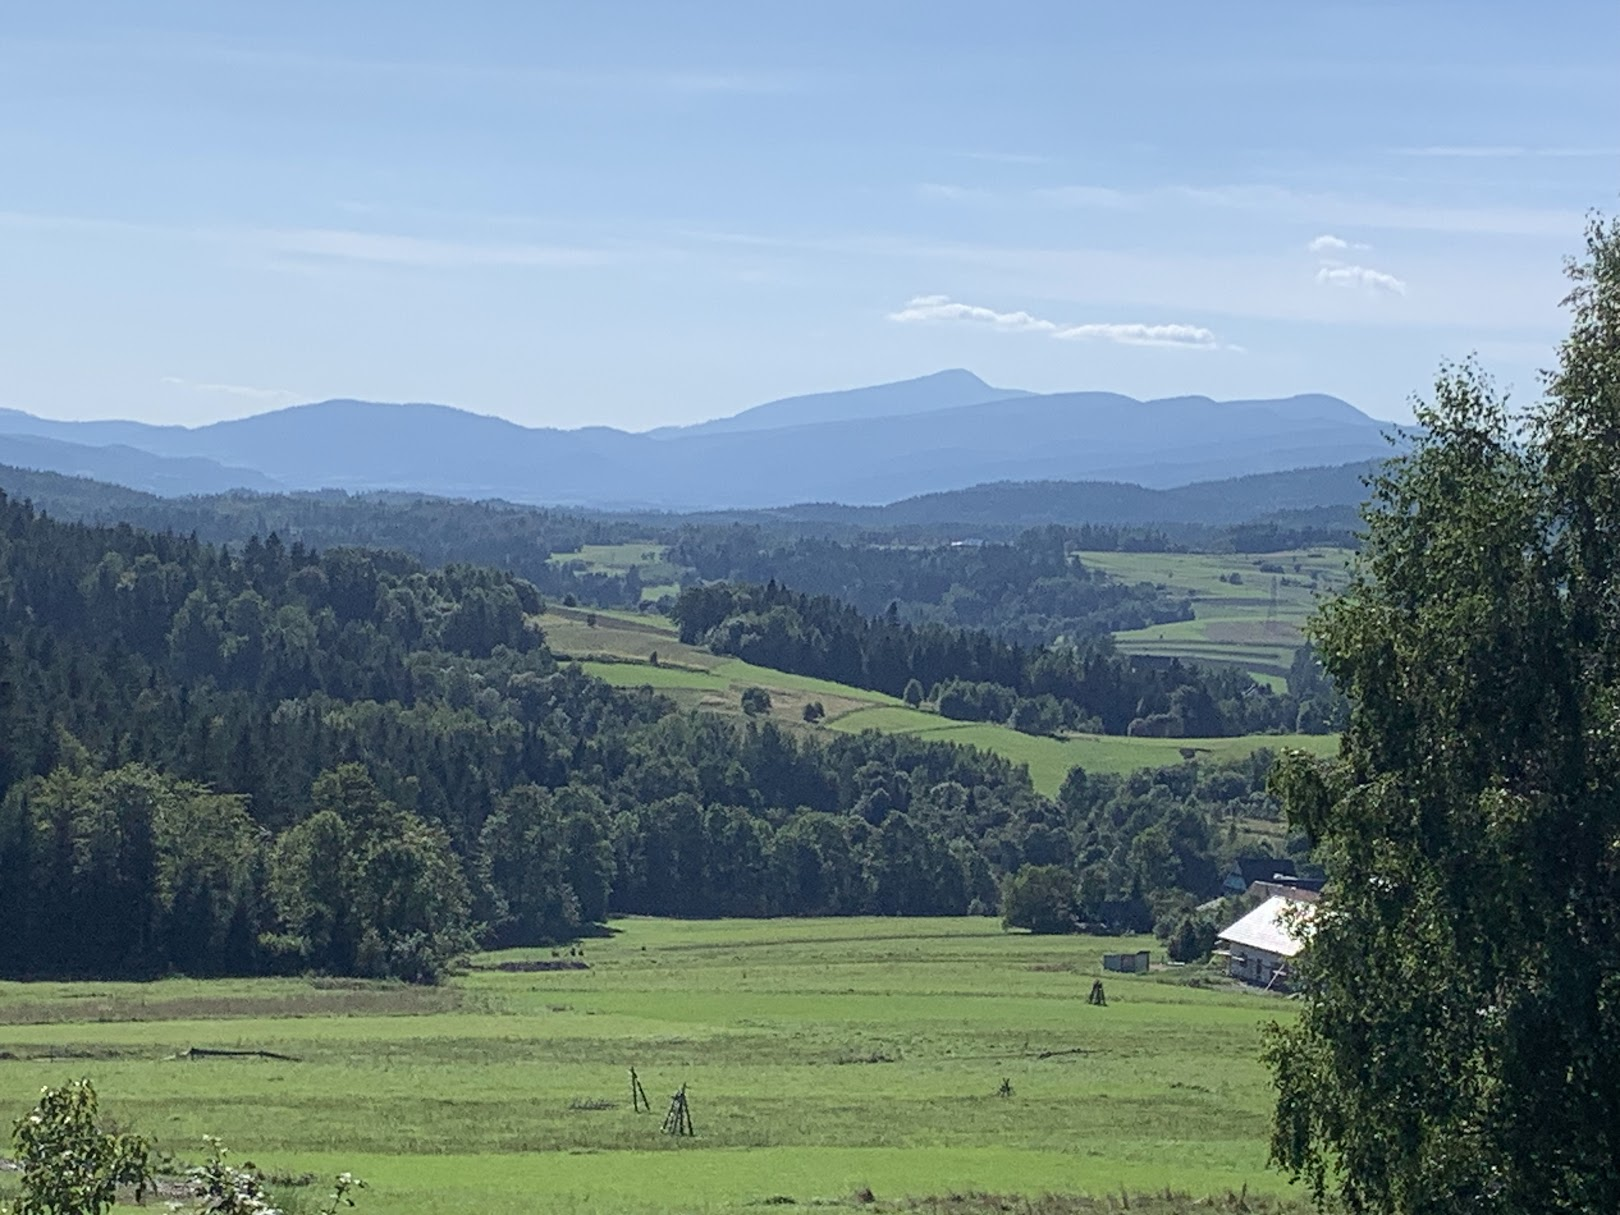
x=1261 y=945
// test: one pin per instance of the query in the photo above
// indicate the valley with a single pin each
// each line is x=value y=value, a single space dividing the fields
x=867 y=609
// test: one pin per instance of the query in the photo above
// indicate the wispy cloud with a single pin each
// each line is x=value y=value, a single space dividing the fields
x=1007 y=158
x=288 y=65
x=348 y=244
x=1308 y=207
x=1504 y=152
x=948 y=192
x=1364 y=277
x=1357 y=212
x=269 y=396
x=1516 y=290
x=1087 y=196
x=1328 y=243
x=382 y=248
x=925 y=308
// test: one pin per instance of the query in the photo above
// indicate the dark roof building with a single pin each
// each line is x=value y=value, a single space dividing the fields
x=1248 y=870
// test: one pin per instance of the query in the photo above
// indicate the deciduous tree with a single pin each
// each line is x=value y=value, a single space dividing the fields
x=1459 y=1046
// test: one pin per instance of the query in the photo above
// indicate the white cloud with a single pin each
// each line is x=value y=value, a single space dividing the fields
x=1338 y=275
x=1516 y=289
x=1133 y=334
x=1328 y=243
x=925 y=308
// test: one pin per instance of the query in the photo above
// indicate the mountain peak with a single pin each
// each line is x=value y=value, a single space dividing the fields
x=947 y=389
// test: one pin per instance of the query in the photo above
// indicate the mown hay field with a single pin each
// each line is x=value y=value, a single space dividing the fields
x=822 y=1057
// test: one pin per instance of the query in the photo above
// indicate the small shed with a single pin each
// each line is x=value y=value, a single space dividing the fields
x=1260 y=946
x=1128 y=963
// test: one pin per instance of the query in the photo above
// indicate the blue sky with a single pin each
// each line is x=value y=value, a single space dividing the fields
x=636 y=214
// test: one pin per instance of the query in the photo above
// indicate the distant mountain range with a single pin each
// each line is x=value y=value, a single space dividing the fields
x=121 y=464
x=1319 y=501
x=866 y=446
x=1002 y=504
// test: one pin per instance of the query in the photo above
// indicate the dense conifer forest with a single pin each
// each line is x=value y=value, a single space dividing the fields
x=275 y=758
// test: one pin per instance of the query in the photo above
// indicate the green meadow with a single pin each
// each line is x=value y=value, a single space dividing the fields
x=821 y=1057
x=1254 y=622
x=659 y=576
x=1049 y=759
x=619 y=649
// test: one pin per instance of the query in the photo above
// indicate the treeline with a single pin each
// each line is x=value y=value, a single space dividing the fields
x=1021 y=584
x=972 y=675
x=1030 y=591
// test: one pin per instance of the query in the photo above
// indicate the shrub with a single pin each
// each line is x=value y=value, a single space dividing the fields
x=69 y=1165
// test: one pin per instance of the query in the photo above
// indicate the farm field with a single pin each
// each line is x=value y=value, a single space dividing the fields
x=618 y=648
x=822 y=1058
x=659 y=576
x=1254 y=623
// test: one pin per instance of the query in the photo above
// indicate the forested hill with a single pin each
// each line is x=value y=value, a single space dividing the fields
x=273 y=759
x=1206 y=513
x=436 y=531
x=1023 y=504
x=1027 y=589
x=971 y=675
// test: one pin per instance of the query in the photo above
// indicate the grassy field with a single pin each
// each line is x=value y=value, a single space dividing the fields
x=618 y=648
x=1049 y=759
x=822 y=1057
x=1253 y=623
x=659 y=576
